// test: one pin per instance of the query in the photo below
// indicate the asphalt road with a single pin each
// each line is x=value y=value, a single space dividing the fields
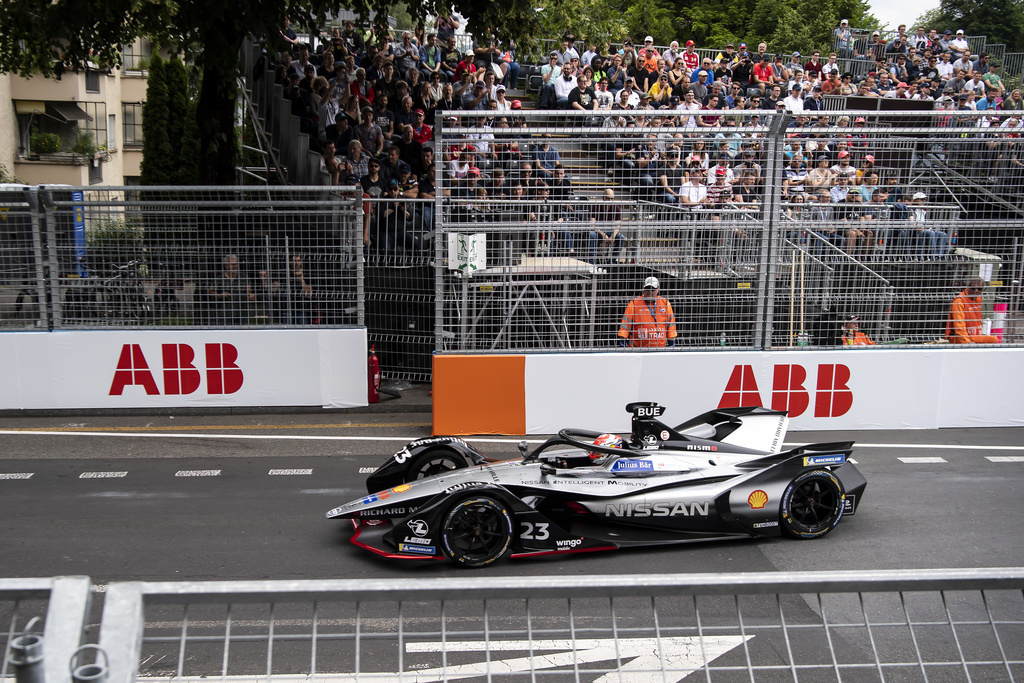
x=218 y=497
x=235 y=497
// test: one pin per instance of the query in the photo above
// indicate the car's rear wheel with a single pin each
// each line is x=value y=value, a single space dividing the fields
x=435 y=461
x=476 y=531
x=812 y=505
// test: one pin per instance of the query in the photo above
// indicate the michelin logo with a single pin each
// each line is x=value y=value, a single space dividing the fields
x=628 y=465
x=837 y=459
x=416 y=549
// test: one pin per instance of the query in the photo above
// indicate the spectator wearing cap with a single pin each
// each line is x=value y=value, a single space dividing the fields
x=647 y=58
x=661 y=91
x=794 y=102
x=899 y=93
x=728 y=56
x=992 y=79
x=648 y=321
x=503 y=105
x=813 y=101
x=918 y=239
x=699 y=87
x=843 y=39
x=690 y=57
x=831 y=85
x=477 y=99
x=548 y=74
x=959 y=44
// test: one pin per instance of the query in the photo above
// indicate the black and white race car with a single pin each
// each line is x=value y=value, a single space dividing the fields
x=717 y=476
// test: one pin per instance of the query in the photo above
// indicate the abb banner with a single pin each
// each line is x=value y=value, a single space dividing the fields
x=841 y=389
x=163 y=368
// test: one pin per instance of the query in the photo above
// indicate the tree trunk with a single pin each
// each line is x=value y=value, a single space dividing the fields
x=215 y=114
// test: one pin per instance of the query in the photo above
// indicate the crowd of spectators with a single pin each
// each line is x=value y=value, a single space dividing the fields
x=369 y=104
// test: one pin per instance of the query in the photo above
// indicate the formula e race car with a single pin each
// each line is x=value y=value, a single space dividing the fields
x=717 y=476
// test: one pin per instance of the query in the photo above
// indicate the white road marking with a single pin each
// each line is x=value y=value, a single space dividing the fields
x=922 y=460
x=197 y=473
x=289 y=473
x=102 y=475
x=367 y=470
x=640 y=660
x=1005 y=458
x=16 y=475
x=933 y=446
x=406 y=439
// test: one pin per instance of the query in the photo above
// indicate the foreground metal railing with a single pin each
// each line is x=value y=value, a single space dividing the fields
x=34 y=651
x=948 y=624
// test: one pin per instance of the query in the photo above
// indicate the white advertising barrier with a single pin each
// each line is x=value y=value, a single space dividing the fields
x=842 y=389
x=189 y=368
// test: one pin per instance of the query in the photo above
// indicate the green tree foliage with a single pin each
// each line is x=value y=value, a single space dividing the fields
x=587 y=20
x=50 y=37
x=788 y=25
x=1001 y=21
x=158 y=157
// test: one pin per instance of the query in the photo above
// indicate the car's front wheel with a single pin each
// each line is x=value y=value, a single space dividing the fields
x=476 y=531
x=435 y=461
x=812 y=505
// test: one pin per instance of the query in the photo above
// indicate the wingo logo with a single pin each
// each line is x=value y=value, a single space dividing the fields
x=180 y=375
x=832 y=397
x=569 y=543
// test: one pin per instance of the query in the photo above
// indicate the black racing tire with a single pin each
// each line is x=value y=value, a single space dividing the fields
x=476 y=531
x=812 y=505
x=435 y=461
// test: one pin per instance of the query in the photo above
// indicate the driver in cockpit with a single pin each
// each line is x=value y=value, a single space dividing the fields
x=605 y=441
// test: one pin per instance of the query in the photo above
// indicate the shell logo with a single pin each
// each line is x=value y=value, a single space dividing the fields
x=757 y=499
x=405 y=487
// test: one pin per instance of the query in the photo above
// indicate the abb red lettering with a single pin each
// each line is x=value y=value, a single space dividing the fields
x=741 y=389
x=788 y=391
x=833 y=397
x=223 y=376
x=180 y=375
x=132 y=370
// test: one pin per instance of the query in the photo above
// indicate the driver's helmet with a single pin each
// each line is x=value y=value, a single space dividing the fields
x=607 y=441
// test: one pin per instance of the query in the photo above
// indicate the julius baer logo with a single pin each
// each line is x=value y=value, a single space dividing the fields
x=832 y=395
x=178 y=370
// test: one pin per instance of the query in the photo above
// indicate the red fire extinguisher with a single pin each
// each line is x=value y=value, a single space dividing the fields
x=373 y=375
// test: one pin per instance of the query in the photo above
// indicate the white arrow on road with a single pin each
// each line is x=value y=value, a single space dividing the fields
x=644 y=660
x=651 y=660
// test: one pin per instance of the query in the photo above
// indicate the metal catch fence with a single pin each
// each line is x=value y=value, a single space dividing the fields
x=899 y=625
x=763 y=232
x=197 y=257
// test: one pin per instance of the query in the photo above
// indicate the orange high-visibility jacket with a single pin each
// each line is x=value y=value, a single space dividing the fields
x=858 y=339
x=964 y=323
x=648 y=325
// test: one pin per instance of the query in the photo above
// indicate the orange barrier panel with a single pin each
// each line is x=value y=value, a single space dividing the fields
x=479 y=395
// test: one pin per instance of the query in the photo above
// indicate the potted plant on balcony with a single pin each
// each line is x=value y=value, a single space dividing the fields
x=85 y=146
x=43 y=143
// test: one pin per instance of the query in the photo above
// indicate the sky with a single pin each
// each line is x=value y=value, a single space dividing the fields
x=892 y=14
